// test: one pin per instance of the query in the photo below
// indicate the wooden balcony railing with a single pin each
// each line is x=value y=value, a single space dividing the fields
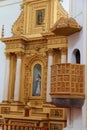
x=67 y=81
x=7 y=126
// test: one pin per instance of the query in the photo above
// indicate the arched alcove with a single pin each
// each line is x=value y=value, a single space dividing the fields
x=37 y=80
x=76 y=56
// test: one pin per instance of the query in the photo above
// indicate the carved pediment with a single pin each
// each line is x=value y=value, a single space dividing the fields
x=66 y=26
x=18 y=26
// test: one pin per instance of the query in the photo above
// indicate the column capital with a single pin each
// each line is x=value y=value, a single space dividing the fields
x=19 y=54
x=7 y=75
x=7 y=55
x=50 y=51
x=63 y=50
x=63 y=55
x=17 y=77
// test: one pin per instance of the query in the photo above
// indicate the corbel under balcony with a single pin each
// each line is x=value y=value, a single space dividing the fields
x=65 y=27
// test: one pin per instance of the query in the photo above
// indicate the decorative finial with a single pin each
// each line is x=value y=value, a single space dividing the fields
x=2 y=34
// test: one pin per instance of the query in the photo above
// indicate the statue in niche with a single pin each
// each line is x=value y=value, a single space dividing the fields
x=40 y=16
x=37 y=80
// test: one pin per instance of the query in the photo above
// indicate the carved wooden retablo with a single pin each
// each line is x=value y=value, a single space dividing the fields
x=30 y=52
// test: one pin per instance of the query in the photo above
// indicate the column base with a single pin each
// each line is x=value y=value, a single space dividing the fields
x=5 y=101
x=17 y=102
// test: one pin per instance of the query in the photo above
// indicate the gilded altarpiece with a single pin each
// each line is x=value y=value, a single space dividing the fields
x=36 y=43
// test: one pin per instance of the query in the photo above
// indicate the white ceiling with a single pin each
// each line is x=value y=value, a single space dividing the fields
x=2 y=0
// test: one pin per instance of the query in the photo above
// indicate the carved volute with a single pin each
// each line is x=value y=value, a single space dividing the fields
x=17 y=28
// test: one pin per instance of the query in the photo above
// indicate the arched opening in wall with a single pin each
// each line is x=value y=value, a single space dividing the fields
x=76 y=56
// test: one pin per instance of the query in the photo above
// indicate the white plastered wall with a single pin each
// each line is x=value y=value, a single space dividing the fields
x=8 y=15
x=78 y=41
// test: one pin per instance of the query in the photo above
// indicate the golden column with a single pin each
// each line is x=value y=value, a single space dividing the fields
x=50 y=62
x=7 y=76
x=63 y=55
x=12 y=76
x=18 y=77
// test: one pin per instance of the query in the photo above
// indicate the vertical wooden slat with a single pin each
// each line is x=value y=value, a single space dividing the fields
x=10 y=127
x=3 y=127
x=6 y=126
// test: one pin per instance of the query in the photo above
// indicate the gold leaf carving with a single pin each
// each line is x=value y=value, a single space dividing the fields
x=17 y=28
x=57 y=113
x=61 y=12
x=28 y=74
x=66 y=27
x=5 y=110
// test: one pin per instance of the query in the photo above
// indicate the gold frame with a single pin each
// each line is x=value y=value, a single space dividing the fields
x=32 y=70
x=43 y=17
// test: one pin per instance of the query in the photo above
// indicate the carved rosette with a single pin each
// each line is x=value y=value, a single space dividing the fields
x=17 y=28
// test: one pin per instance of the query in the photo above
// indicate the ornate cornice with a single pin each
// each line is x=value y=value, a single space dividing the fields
x=57 y=42
x=12 y=39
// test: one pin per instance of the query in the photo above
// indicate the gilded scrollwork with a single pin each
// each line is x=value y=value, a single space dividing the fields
x=36 y=48
x=57 y=113
x=33 y=43
x=18 y=26
x=5 y=110
x=11 y=46
x=61 y=12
